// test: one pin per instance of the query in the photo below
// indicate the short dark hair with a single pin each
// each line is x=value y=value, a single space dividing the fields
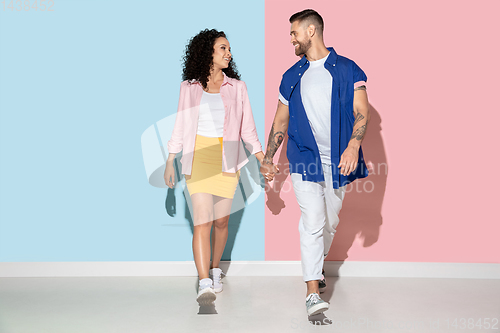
x=309 y=15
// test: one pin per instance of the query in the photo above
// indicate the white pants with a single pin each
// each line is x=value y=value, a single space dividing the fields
x=320 y=205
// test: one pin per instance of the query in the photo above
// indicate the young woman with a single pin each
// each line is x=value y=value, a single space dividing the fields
x=213 y=116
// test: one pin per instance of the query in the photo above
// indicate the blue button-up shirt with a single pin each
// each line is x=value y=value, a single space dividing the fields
x=302 y=150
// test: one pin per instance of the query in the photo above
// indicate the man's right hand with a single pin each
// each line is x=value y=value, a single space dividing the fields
x=268 y=170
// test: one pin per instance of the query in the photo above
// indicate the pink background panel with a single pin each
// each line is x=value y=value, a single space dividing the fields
x=432 y=70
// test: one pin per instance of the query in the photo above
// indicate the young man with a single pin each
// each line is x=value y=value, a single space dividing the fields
x=324 y=106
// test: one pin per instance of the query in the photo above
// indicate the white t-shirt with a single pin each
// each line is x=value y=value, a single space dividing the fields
x=316 y=94
x=211 y=116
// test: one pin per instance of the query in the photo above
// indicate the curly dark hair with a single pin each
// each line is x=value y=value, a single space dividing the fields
x=198 y=60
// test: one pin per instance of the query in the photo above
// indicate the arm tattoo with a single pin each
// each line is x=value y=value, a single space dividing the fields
x=274 y=142
x=359 y=117
x=360 y=88
x=359 y=133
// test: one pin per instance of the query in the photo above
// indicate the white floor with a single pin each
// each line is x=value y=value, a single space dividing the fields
x=247 y=304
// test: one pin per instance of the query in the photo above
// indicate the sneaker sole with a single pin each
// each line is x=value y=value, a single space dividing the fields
x=322 y=290
x=206 y=298
x=317 y=309
x=218 y=290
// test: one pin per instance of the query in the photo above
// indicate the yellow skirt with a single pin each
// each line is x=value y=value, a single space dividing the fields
x=206 y=174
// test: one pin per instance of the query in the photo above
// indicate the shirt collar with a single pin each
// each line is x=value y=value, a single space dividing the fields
x=332 y=57
x=302 y=61
x=224 y=82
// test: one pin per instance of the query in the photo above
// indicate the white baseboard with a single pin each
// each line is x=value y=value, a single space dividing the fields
x=250 y=268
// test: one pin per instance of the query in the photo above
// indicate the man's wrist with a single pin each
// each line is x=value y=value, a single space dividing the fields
x=353 y=145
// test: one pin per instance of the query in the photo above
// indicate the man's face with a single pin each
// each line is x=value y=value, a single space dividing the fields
x=299 y=38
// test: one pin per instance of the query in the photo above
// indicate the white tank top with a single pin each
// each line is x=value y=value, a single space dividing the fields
x=211 y=116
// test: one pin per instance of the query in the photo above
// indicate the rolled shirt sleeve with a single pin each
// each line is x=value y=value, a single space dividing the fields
x=359 y=84
x=358 y=75
x=282 y=92
x=283 y=99
x=248 y=129
x=174 y=145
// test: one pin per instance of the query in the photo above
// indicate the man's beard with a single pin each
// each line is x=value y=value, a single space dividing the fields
x=303 y=47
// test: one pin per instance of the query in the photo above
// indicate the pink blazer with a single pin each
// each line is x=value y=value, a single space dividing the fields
x=238 y=124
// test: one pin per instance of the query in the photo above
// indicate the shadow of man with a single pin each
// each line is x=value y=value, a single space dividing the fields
x=361 y=214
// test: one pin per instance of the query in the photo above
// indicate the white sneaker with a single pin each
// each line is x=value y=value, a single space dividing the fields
x=206 y=294
x=216 y=275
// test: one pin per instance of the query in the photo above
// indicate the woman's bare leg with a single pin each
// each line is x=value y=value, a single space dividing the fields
x=222 y=208
x=203 y=215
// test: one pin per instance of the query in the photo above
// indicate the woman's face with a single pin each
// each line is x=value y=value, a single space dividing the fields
x=222 y=53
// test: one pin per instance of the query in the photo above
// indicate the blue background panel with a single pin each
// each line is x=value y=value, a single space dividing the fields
x=78 y=87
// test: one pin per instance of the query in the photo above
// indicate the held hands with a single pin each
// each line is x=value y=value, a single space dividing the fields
x=268 y=170
x=348 y=160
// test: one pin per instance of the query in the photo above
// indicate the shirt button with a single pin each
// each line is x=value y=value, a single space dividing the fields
x=300 y=73
x=292 y=86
